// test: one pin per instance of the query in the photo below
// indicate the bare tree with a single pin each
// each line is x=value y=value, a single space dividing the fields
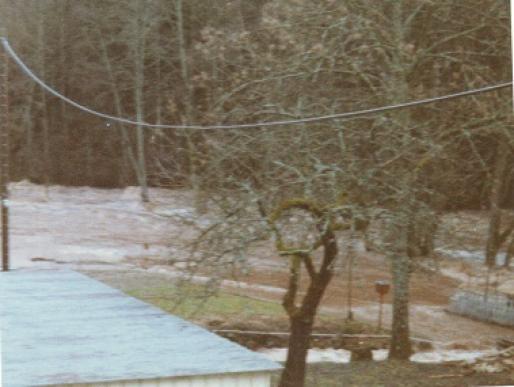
x=497 y=236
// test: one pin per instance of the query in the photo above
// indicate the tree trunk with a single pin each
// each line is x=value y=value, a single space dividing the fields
x=499 y=175
x=128 y=157
x=301 y=329
x=251 y=12
x=302 y=319
x=500 y=171
x=400 y=347
x=403 y=221
x=510 y=253
x=191 y=149
x=139 y=76
x=28 y=122
x=63 y=77
x=299 y=342
x=45 y=119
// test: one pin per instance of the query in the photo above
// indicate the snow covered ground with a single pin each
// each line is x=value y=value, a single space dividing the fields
x=331 y=355
x=471 y=256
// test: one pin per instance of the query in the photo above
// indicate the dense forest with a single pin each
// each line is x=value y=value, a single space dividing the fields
x=244 y=61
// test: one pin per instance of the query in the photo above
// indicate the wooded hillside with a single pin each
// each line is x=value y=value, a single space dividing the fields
x=244 y=61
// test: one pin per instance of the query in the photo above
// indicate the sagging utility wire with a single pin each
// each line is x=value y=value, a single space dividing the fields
x=337 y=116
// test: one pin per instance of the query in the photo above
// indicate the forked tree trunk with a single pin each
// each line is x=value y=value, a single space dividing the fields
x=303 y=320
x=301 y=329
x=299 y=343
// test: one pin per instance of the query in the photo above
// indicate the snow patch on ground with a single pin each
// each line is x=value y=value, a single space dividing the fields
x=370 y=312
x=455 y=274
x=449 y=355
x=342 y=356
x=471 y=256
x=314 y=355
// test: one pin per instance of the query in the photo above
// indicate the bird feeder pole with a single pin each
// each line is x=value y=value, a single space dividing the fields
x=382 y=288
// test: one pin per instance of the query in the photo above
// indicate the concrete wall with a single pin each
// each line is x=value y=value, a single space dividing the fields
x=498 y=308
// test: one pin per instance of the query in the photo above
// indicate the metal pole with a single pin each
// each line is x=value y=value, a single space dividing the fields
x=4 y=154
x=351 y=253
x=382 y=288
x=380 y=312
x=512 y=43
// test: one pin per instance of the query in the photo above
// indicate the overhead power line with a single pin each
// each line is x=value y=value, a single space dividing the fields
x=329 y=117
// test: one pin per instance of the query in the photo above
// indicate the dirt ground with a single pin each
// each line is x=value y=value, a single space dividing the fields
x=430 y=293
x=111 y=231
x=428 y=317
x=395 y=374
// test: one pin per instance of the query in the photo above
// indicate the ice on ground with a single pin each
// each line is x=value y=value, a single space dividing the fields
x=331 y=355
x=449 y=355
x=472 y=256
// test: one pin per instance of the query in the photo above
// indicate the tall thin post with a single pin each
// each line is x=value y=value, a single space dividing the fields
x=4 y=154
x=512 y=43
x=382 y=288
x=351 y=256
x=380 y=311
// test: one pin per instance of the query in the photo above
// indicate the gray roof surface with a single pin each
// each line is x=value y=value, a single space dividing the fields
x=61 y=327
